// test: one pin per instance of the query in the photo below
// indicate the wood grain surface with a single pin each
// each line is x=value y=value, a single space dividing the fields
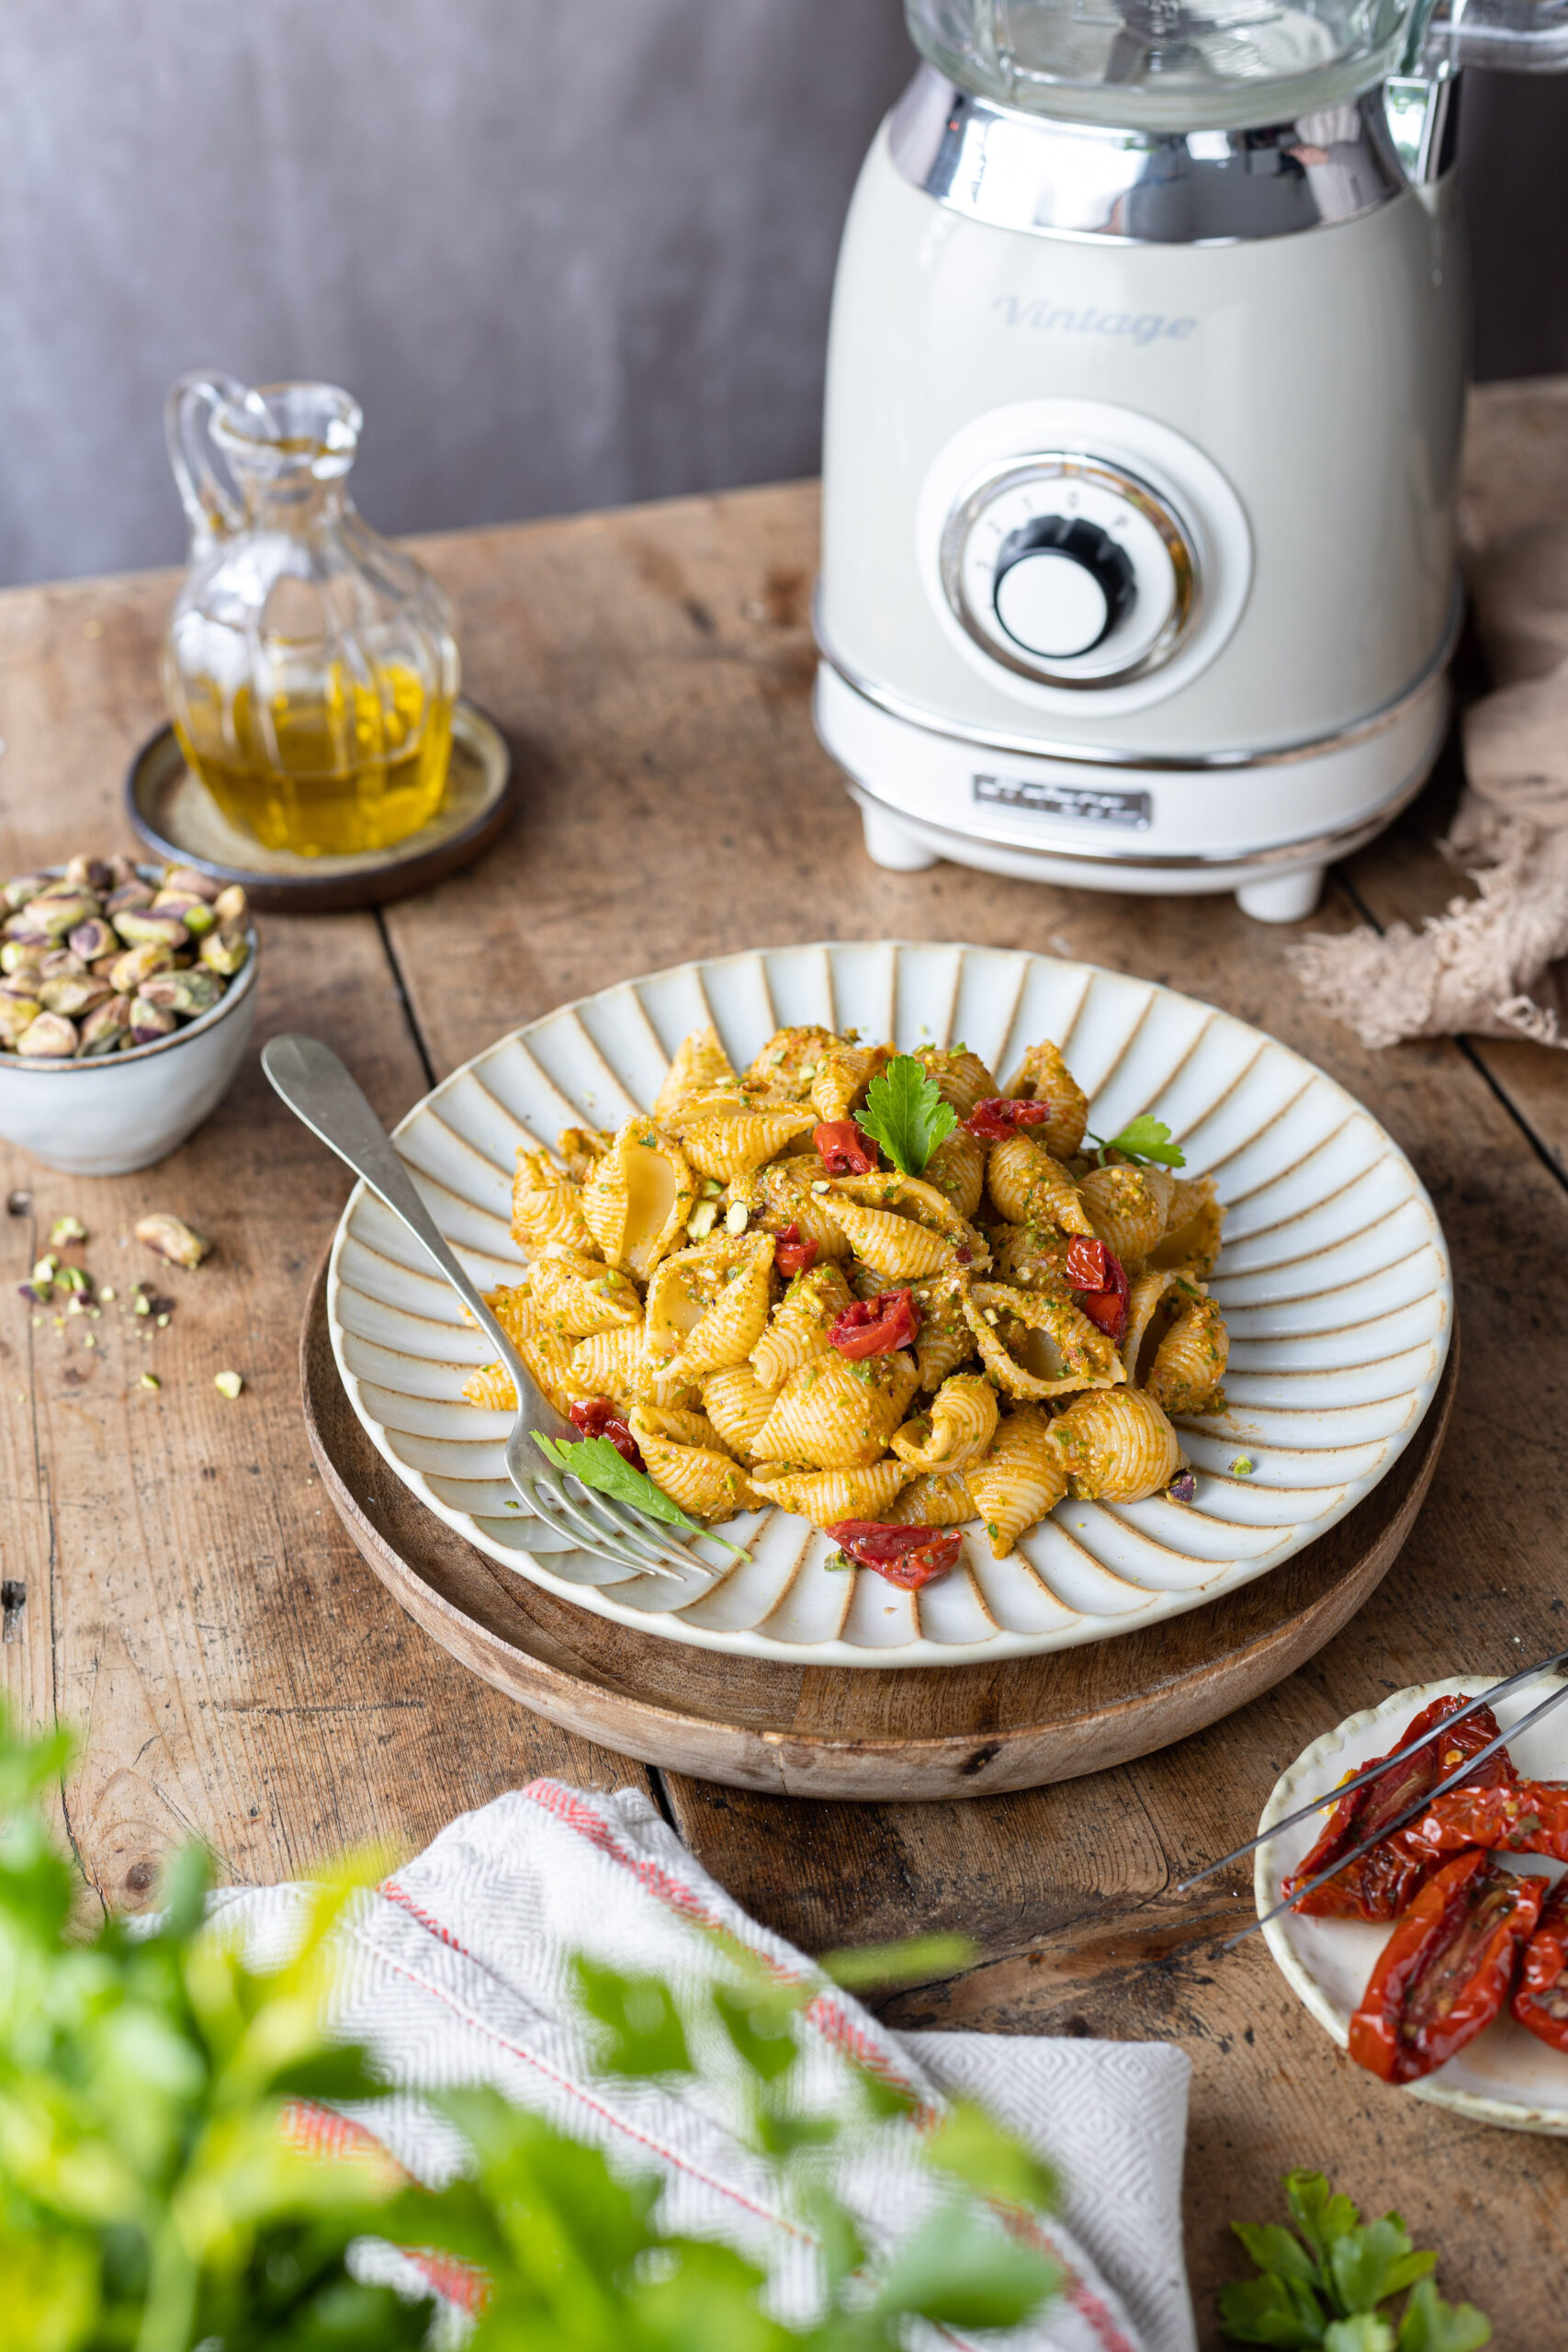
x=906 y=1735
x=177 y=1586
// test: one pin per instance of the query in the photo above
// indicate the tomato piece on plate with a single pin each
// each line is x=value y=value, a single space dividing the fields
x=844 y=1149
x=602 y=1417
x=1448 y=1968
x=874 y=1327
x=1100 y=1280
x=793 y=1255
x=1541 y=1998
x=999 y=1116
x=907 y=1556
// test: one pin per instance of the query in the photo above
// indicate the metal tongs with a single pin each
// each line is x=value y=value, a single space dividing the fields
x=1377 y=1771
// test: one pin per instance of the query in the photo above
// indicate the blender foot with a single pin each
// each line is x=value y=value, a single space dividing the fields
x=1283 y=897
x=888 y=845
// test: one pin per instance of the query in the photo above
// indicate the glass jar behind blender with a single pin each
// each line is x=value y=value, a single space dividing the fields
x=310 y=666
x=1163 y=65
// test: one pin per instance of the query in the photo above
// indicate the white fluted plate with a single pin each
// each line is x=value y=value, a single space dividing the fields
x=1505 y=2075
x=1334 y=1282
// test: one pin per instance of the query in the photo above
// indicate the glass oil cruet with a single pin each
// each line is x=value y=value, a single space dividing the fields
x=310 y=666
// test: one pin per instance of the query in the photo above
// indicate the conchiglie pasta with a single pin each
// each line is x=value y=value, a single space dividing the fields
x=725 y=1146
x=491 y=1386
x=703 y=1479
x=1030 y=1187
x=1147 y=1317
x=798 y=1326
x=638 y=1198
x=833 y=1415
x=825 y=1496
x=842 y=1077
x=956 y=1427
x=783 y=1070
x=616 y=1364
x=790 y=1195
x=1032 y=1257
x=737 y=1403
x=1190 y=1242
x=1189 y=1362
x=960 y=1077
x=707 y=1306
x=957 y=1168
x=1035 y=1346
x=1044 y=1077
x=700 y=1066
x=944 y=1338
x=549 y=1358
x=1019 y=1479
x=582 y=1149
x=899 y=1248
x=934 y=1500
x=1118 y=1445
x=1126 y=1207
x=578 y=1296
x=547 y=1208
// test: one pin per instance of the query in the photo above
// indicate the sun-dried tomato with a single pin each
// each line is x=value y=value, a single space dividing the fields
x=999 y=1116
x=844 y=1149
x=874 y=1327
x=907 y=1556
x=1100 y=1279
x=1447 y=1969
x=1382 y=1882
x=1541 y=1998
x=602 y=1417
x=793 y=1255
x=1531 y=1818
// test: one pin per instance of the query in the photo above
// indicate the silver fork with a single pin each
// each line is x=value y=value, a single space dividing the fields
x=321 y=1092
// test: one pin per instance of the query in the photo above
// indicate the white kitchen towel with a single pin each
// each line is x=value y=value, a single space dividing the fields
x=458 y=1971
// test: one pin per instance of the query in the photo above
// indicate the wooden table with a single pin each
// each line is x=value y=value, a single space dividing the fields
x=177 y=1589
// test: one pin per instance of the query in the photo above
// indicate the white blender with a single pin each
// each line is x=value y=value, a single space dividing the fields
x=1145 y=388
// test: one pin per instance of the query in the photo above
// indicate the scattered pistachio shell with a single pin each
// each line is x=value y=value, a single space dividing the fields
x=72 y=992
x=51 y=1038
x=150 y=1380
x=137 y=923
x=149 y=1022
x=172 y=1239
x=106 y=1027
x=66 y=1229
x=225 y=952
x=230 y=905
x=228 y=1384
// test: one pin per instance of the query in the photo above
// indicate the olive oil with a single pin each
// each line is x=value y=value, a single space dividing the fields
x=347 y=767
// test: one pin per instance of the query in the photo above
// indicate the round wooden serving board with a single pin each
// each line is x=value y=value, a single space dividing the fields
x=856 y=1732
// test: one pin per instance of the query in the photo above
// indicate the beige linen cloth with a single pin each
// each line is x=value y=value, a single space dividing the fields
x=1495 y=965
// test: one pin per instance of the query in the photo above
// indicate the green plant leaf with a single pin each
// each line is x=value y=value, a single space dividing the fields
x=1431 y=2326
x=905 y=1114
x=976 y=2151
x=1364 y=2333
x=960 y=2269
x=1274 y=2247
x=1276 y=2309
x=1318 y=2213
x=761 y=2028
x=1369 y=2264
x=646 y=2036
x=599 y=1464
x=916 y=1961
x=1144 y=1137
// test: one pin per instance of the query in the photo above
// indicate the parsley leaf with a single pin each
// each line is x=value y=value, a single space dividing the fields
x=598 y=1463
x=1352 y=2266
x=906 y=1115
x=1143 y=1138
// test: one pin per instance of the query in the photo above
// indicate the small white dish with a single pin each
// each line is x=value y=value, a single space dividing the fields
x=1506 y=2075
x=116 y=1112
x=1334 y=1281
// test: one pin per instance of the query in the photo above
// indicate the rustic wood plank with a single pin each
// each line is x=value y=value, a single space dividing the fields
x=192 y=1603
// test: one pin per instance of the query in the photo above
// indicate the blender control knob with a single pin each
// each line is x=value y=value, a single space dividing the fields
x=1061 y=585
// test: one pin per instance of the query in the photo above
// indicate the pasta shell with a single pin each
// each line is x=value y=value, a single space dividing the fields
x=1190 y=1242
x=833 y=1415
x=825 y=1496
x=899 y=1248
x=1044 y=1076
x=957 y=1168
x=933 y=1501
x=725 y=1146
x=842 y=1077
x=960 y=1077
x=1146 y=1322
x=1190 y=1363
x=1033 y=1345
x=955 y=1429
x=784 y=1069
x=1118 y=1445
x=790 y=1196
x=547 y=1208
x=1030 y=1187
x=798 y=1326
x=944 y=1338
x=700 y=1066
x=616 y=1364
x=708 y=1306
x=582 y=1149
x=638 y=1198
x=897 y=1201
x=701 y=1478
x=491 y=1385
x=577 y=1295
x=549 y=1356
x=737 y=1403
x=1126 y=1207
x=1022 y=1478
x=1032 y=1257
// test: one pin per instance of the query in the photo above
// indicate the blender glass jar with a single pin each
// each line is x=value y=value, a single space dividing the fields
x=1163 y=65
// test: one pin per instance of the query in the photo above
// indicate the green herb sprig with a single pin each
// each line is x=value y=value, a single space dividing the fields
x=905 y=1114
x=1143 y=1138
x=603 y=1466
x=1323 y=2287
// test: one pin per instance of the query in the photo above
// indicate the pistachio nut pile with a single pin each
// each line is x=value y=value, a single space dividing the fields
x=96 y=960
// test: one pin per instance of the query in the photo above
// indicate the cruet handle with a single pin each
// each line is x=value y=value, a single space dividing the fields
x=211 y=506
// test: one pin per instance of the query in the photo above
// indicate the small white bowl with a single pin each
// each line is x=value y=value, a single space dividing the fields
x=113 y=1113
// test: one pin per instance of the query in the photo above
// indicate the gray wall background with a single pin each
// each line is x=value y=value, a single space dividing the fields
x=564 y=255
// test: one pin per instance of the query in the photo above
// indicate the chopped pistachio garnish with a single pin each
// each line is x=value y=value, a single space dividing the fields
x=1243 y=1467
x=228 y=1384
x=150 y=1380
x=735 y=1217
x=64 y=1229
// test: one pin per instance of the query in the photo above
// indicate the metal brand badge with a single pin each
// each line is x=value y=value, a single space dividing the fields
x=1084 y=804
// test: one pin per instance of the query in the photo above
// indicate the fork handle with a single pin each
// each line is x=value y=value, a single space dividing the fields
x=322 y=1093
